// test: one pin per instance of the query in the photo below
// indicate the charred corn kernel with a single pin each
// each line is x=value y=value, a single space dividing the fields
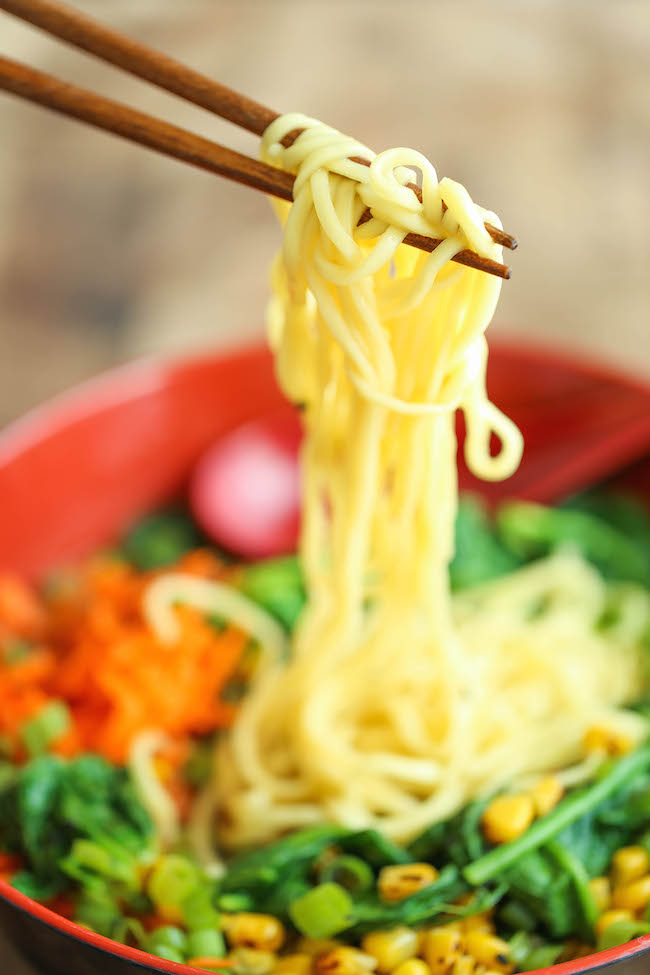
x=478 y=922
x=601 y=739
x=601 y=892
x=414 y=966
x=391 y=948
x=441 y=947
x=298 y=964
x=248 y=961
x=259 y=931
x=344 y=961
x=546 y=794
x=611 y=917
x=487 y=949
x=396 y=883
x=507 y=817
x=316 y=946
x=629 y=863
x=632 y=897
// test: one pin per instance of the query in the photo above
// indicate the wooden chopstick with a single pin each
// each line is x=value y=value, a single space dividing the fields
x=145 y=62
x=111 y=116
x=161 y=136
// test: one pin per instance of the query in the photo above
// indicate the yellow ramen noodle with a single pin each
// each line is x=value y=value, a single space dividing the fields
x=395 y=707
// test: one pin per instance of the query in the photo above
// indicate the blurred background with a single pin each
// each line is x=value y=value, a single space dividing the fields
x=541 y=108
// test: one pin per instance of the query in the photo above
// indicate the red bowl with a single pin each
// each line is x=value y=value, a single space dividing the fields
x=76 y=471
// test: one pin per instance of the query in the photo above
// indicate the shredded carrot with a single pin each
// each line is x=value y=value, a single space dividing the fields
x=100 y=657
x=21 y=612
x=210 y=963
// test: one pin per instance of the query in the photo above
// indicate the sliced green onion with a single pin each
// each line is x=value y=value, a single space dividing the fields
x=520 y=946
x=130 y=931
x=349 y=872
x=169 y=954
x=87 y=855
x=50 y=723
x=206 y=943
x=99 y=911
x=172 y=880
x=167 y=936
x=621 y=932
x=233 y=903
x=199 y=911
x=541 y=957
x=323 y=911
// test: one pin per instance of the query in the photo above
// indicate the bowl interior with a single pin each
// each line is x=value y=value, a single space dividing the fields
x=75 y=472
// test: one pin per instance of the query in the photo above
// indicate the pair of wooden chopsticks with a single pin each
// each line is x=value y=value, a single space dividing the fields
x=165 y=72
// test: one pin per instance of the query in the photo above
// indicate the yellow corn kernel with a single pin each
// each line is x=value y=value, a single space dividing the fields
x=316 y=946
x=634 y=896
x=478 y=922
x=463 y=965
x=396 y=883
x=391 y=948
x=612 y=917
x=507 y=817
x=629 y=863
x=344 y=961
x=546 y=794
x=601 y=892
x=441 y=947
x=248 y=961
x=414 y=966
x=259 y=931
x=602 y=739
x=486 y=949
x=453 y=927
x=297 y=964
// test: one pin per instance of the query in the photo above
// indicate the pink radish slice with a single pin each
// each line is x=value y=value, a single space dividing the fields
x=245 y=490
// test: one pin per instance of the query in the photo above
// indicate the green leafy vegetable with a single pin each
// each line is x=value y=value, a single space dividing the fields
x=75 y=820
x=531 y=530
x=480 y=553
x=350 y=872
x=161 y=539
x=573 y=807
x=277 y=585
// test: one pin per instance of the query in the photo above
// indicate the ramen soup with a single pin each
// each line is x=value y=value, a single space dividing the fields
x=416 y=746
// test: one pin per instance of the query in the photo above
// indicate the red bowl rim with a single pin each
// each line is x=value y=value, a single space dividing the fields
x=130 y=381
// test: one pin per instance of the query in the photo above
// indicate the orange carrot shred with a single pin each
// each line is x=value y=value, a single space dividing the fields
x=210 y=963
x=100 y=657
